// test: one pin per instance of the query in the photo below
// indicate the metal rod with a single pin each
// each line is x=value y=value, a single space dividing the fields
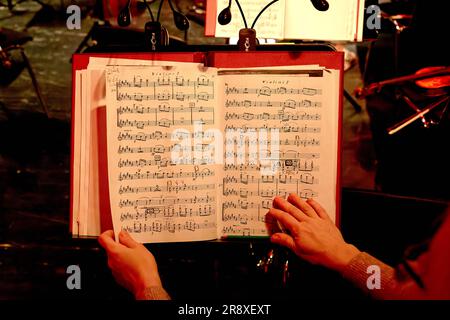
x=396 y=128
x=34 y=81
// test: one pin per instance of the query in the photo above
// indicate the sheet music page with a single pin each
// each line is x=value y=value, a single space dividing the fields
x=281 y=134
x=163 y=184
x=269 y=25
x=338 y=23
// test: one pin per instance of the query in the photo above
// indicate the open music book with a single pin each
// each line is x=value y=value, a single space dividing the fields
x=178 y=151
x=290 y=19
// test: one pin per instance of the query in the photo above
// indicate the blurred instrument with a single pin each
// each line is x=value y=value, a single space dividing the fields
x=428 y=78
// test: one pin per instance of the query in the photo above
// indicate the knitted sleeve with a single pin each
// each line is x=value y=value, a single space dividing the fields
x=153 y=293
x=362 y=270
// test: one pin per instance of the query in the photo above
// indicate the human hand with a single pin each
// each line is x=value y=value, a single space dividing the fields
x=312 y=235
x=132 y=265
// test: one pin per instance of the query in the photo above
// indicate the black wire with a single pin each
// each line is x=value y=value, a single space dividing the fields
x=149 y=10
x=413 y=274
x=159 y=10
x=171 y=5
x=261 y=12
x=242 y=14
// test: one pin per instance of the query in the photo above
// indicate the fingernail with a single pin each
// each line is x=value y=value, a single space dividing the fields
x=274 y=237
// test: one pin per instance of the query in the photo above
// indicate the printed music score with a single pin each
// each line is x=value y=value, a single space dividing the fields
x=295 y=103
x=152 y=196
x=180 y=151
x=263 y=133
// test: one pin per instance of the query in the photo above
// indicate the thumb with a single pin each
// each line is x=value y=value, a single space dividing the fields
x=127 y=240
x=106 y=240
x=283 y=240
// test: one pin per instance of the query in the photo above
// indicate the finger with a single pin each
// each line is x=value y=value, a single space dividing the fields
x=272 y=225
x=302 y=205
x=318 y=208
x=288 y=221
x=282 y=204
x=127 y=240
x=283 y=240
x=106 y=240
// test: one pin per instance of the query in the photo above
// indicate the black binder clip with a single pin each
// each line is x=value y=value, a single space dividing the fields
x=247 y=40
x=247 y=36
x=155 y=35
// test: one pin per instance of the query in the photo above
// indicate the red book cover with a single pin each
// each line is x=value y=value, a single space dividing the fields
x=80 y=62
x=327 y=59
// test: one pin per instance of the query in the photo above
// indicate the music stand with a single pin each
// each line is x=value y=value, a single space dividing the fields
x=13 y=41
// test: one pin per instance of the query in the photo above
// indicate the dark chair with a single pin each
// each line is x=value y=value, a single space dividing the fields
x=10 y=67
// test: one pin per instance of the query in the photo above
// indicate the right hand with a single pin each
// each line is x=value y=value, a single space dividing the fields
x=312 y=235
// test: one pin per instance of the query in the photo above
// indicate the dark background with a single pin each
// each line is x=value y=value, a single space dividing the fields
x=394 y=187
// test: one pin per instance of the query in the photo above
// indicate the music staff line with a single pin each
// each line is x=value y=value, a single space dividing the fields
x=167 y=201
x=242 y=218
x=166 y=123
x=291 y=169
x=271 y=193
x=267 y=91
x=160 y=162
x=160 y=226
x=286 y=128
x=237 y=230
x=163 y=149
x=289 y=103
x=248 y=116
x=306 y=178
x=166 y=213
x=164 y=81
x=297 y=141
x=149 y=175
x=163 y=108
x=169 y=187
x=164 y=96
x=164 y=162
x=288 y=160
x=159 y=135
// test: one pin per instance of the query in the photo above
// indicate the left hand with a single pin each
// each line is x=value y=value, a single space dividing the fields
x=132 y=265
